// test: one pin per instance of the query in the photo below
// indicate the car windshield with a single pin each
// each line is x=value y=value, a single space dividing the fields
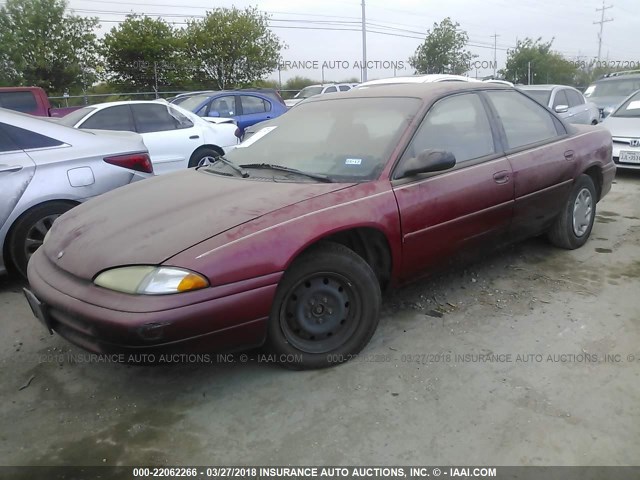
x=540 y=96
x=621 y=87
x=630 y=108
x=349 y=139
x=71 y=119
x=193 y=101
x=309 y=92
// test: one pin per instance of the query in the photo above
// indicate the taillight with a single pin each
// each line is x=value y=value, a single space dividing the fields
x=140 y=162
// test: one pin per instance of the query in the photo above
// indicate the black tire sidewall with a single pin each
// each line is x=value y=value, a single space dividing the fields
x=584 y=181
x=200 y=154
x=23 y=225
x=327 y=258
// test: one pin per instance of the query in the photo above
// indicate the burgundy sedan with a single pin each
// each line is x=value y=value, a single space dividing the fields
x=290 y=239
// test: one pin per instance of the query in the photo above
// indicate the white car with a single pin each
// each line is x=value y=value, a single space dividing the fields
x=313 y=90
x=624 y=125
x=175 y=137
x=567 y=102
x=434 y=77
x=47 y=169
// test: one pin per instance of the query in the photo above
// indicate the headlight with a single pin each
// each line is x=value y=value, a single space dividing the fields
x=149 y=280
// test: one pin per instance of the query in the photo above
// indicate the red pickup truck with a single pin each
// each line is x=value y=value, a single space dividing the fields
x=31 y=100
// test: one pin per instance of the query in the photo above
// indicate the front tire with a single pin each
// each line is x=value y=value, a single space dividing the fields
x=203 y=155
x=326 y=309
x=28 y=232
x=573 y=226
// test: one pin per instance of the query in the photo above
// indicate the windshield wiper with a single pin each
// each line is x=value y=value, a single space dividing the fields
x=228 y=162
x=271 y=166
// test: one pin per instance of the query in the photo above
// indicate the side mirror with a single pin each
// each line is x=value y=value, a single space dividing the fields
x=561 y=108
x=428 y=161
x=214 y=114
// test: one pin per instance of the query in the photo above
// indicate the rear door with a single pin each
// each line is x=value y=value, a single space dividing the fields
x=170 y=136
x=536 y=143
x=466 y=207
x=16 y=171
x=253 y=109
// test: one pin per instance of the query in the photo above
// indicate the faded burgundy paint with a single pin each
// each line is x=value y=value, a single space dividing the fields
x=243 y=234
x=42 y=106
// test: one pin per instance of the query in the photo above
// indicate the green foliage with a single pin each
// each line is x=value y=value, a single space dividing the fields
x=546 y=65
x=42 y=46
x=443 y=50
x=142 y=53
x=231 y=47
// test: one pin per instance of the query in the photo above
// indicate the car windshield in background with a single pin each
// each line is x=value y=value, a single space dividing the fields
x=309 y=92
x=191 y=102
x=630 y=108
x=613 y=88
x=540 y=96
x=74 y=117
x=345 y=140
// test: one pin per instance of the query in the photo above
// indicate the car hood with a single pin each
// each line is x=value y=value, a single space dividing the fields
x=151 y=221
x=625 y=127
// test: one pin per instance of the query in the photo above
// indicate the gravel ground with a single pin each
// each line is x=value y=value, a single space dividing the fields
x=528 y=357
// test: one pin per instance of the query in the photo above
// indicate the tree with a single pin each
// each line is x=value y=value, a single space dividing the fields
x=443 y=50
x=41 y=45
x=232 y=47
x=143 y=53
x=533 y=61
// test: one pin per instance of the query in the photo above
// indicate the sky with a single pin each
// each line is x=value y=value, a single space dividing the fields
x=396 y=29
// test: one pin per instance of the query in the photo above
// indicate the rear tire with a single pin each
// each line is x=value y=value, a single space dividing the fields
x=326 y=309
x=573 y=226
x=27 y=234
x=201 y=155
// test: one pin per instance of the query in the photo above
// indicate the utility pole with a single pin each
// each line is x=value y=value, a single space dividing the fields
x=364 y=42
x=495 y=55
x=602 y=22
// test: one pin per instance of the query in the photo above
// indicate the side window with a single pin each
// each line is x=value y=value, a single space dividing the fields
x=331 y=90
x=26 y=139
x=181 y=119
x=24 y=102
x=560 y=98
x=344 y=88
x=253 y=105
x=153 y=118
x=6 y=144
x=111 y=118
x=458 y=124
x=523 y=119
x=224 y=106
x=575 y=99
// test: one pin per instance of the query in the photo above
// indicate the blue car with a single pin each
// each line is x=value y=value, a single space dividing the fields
x=245 y=107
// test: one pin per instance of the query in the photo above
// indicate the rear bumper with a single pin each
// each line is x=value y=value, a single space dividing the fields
x=217 y=324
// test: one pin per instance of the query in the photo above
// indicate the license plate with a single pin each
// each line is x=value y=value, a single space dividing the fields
x=39 y=309
x=630 y=157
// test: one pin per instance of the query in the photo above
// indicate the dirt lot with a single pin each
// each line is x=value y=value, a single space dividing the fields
x=562 y=387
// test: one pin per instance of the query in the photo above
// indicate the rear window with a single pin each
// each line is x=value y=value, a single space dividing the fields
x=540 y=96
x=619 y=87
x=24 y=102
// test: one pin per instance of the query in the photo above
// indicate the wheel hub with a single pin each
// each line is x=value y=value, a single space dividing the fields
x=582 y=212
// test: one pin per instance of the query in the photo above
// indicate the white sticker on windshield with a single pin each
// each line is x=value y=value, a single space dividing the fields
x=353 y=161
x=634 y=105
x=256 y=136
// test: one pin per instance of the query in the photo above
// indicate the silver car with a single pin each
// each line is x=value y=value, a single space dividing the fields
x=567 y=102
x=46 y=169
x=624 y=125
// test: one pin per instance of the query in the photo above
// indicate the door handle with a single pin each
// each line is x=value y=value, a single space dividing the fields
x=10 y=169
x=501 y=177
x=194 y=137
x=569 y=154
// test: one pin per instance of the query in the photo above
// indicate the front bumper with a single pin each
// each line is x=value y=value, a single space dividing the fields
x=620 y=146
x=227 y=318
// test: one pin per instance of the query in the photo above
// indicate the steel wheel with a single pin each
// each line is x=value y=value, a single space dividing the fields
x=582 y=212
x=320 y=312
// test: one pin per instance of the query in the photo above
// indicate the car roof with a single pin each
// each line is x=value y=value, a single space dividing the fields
x=429 y=78
x=613 y=78
x=425 y=91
